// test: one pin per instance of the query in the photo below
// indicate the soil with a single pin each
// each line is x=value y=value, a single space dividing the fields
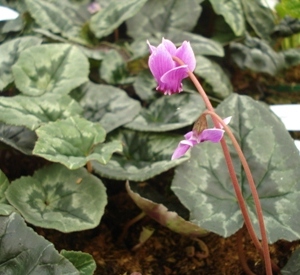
x=165 y=252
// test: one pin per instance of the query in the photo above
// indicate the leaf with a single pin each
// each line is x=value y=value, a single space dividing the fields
x=214 y=75
x=293 y=265
x=55 y=198
x=144 y=156
x=25 y=252
x=259 y=17
x=72 y=142
x=18 y=137
x=288 y=7
x=203 y=184
x=108 y=105
x=160 y=16
x=84 y=262
x=291 y=57
x=113 y=68
x=257 y=55
x=169 y=113
x=144 y=85
x=146 y=199
x=5 y=207
x=232 y=12
x=55 y=68
x=286 y=27
x=9 y=53
x=50 y=15
x=32 y=112
x=113 y=15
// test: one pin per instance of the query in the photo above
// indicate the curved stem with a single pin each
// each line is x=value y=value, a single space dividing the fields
x=252 y=186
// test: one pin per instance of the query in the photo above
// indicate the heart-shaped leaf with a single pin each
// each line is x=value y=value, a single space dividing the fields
x=160 y=16
x=109 y=106
x=54 y=68
x=215 y=76
x=203 y=184
x=259 y=17
x=73 y=142
x=257 y=55
x=84 y=262
x=5 y=207
x=32 y=112
x=169 y=113
x=159 y=212
x=52 y=15
x=144 y=156
x=113 y=15
x=9 y=53
x=113 y=69
x=18 y=137
x=56 y=198
x=24 y=252
x=232 y=12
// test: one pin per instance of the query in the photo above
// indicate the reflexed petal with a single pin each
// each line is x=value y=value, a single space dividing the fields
x=213 y=135
x=173 y=78
x=188 y=135
x=169 y=45
x=226 y=120
x=186 y=54
x=180 y=150
x=160 y=62
x=151 y=48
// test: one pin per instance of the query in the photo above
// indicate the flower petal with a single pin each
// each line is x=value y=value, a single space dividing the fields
x=151 y=48
x=213 y=135
x=169 y=45
x=180 y=150
x=160 y=62
x=186 y=54
x=172 y=79
x=226 y=120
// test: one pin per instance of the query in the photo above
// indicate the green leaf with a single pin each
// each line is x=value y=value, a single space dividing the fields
x=50 y=15
x=55 y=68
x=291 y=57
x=169 y=113
x=293 y=265
x=84 y=262
x=257 y=55
x=109 y=106
x=286 y=27
x=113 y=15
x=160 y=16
x=32 y=112
x=24 y=252
x=18 y=137
x=56 y=198
x=144 y=156
x=203 y=184
x=232 y=12
x=259 y=17
x=72 y=142
x=144 y=85
x=288 y=7
x=214 y=75
x=5 y=207
x=113 y=68
x=9 y=53
x=147 y=200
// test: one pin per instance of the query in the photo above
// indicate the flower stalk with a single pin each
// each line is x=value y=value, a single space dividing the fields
x=264 y=248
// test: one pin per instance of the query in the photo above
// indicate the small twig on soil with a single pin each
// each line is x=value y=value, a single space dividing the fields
x=129 y=224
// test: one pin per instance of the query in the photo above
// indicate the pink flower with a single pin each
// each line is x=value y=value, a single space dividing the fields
x=192 y=138
x=166 y=71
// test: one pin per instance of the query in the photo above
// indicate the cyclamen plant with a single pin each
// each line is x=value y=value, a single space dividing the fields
x=169 y=66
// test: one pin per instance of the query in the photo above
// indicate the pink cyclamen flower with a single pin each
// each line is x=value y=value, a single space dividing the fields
x=192 y=138
x=168 y=73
